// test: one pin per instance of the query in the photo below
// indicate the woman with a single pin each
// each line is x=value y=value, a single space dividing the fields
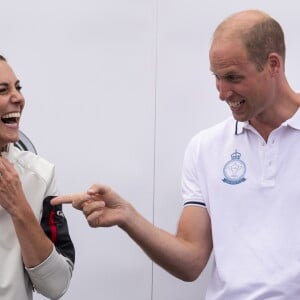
x=36 y=252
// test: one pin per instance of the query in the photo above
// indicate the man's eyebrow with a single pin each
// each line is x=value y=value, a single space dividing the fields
x=229 y=73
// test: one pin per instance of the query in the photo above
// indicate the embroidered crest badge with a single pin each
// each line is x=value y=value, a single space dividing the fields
x=234 y=170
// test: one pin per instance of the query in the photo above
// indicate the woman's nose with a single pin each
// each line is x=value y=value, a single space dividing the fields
x=16 y=96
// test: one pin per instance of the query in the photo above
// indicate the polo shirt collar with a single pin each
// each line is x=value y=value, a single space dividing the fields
x=239 y=127
x=293 y=122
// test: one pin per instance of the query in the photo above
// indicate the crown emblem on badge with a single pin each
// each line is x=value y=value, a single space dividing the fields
x=236 y=155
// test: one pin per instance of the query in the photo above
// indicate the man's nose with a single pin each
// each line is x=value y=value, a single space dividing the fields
x=224 y=90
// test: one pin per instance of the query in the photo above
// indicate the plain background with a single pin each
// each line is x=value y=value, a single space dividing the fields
x=114 y=91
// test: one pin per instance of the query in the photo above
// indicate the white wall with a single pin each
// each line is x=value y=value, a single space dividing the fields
x=115 y=89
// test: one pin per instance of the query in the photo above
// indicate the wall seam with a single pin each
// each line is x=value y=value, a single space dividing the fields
x=154 y=126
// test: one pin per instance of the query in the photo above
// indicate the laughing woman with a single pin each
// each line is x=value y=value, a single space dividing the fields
x=36 y=251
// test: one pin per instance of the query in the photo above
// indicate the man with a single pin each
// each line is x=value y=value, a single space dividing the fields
x=241 y=196
x=36 y=251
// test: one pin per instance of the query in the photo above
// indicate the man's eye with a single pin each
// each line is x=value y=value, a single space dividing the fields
x=234 y=78
x=18 y=88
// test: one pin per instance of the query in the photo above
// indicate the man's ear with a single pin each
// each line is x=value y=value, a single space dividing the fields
x=274 y=63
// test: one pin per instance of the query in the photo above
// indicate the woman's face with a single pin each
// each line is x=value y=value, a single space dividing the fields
x=11 y=105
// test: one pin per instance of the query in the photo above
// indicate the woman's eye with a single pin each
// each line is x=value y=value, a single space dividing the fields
x=3 y=91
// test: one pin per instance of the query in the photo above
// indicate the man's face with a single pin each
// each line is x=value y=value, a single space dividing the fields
x=245 y=89
x=11 y=105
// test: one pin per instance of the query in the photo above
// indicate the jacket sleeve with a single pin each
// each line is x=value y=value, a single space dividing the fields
x=52 y=277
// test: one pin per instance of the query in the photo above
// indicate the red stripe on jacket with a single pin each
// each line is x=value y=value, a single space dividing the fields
x=53 y=227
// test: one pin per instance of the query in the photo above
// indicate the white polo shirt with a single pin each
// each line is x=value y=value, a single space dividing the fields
x=251 y=190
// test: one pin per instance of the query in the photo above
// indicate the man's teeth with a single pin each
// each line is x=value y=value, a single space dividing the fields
x=12 y=115
x=235 y=103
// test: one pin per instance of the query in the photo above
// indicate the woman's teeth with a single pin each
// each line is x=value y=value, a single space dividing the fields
x=11 y=117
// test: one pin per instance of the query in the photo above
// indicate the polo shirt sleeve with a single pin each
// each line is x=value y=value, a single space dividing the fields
x=191 y=190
